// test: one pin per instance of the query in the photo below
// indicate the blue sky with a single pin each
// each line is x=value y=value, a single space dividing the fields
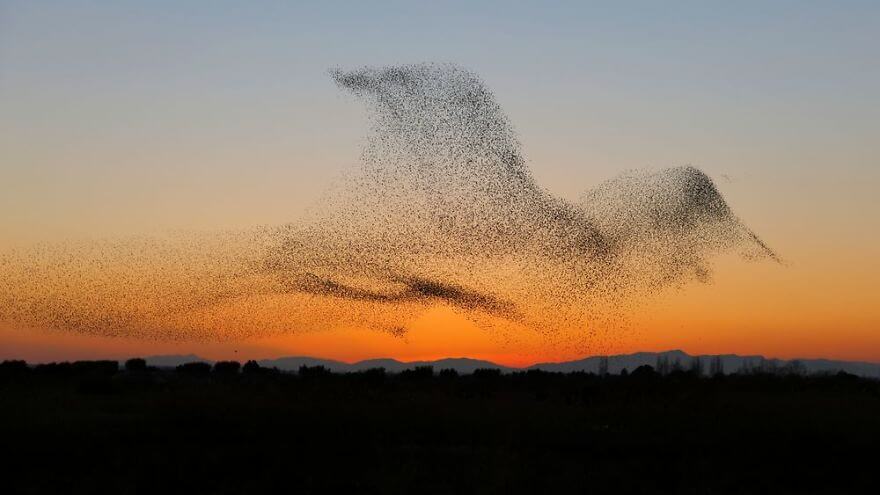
x=205 y=99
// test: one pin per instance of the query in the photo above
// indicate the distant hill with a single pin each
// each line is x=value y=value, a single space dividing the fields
x=462 y=365
x=731 y=363
x=174 y=360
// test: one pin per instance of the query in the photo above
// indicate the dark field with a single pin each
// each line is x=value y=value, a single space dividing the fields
x=87 y=428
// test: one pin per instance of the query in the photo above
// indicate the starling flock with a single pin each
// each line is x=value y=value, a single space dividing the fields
x=441 y=210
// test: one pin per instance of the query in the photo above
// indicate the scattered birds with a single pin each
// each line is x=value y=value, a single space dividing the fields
x=441 y=210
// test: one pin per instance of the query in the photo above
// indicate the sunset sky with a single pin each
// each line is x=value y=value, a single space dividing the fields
x=133 y=118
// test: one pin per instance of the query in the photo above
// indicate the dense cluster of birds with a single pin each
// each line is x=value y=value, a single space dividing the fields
x=441 y=210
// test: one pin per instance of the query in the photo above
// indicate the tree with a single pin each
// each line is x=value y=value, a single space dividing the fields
x=448 y=373
x=603 y=366
x=644 y=371
x=99 y=367
x=418 y=373
x=696 y=366
x=251 y=367
x=676 y=366
x=796 y=367
x=14 y=369
x=716 y=366
x=54 y=369
x=373 y=376
x=487 y=373
x=662 y=364
x=313 y=371
x=194 y=368
x=227 y=367
x=136 y=365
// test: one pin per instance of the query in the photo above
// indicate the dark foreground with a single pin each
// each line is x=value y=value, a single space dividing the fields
x=87 y=429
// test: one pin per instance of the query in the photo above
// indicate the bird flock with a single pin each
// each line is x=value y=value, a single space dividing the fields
x=442 y=210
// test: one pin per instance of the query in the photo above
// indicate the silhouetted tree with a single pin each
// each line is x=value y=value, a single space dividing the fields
x=662 y=364
x=418 y=373
x=54 y=369
x=603 y=366
x=227 y=367
x=135 y=365
x=716 y=366
x=14 y=368
x=448 y=373
x=760 y=366
x=251 y=367
x=696 y=366
x=795 y=367
x=194 y=368
x=534 y=375
x=676 y=366
x=104 y=367
x=369 y=376
x=312 y=372
x=644 y=371
x=487 y=373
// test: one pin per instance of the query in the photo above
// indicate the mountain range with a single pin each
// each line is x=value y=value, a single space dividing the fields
x=730 y=363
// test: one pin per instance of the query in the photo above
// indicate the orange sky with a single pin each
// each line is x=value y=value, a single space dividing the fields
x=748 y=308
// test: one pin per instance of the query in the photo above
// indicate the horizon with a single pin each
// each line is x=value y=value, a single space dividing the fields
x=197 y=358
x=664 y=362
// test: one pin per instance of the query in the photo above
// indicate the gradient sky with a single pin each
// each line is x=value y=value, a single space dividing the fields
x=128 y=117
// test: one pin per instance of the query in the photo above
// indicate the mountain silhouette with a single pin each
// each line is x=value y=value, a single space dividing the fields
x=731 y=363
x=174 y=360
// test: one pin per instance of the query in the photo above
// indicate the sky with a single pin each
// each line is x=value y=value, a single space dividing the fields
x=128 y=118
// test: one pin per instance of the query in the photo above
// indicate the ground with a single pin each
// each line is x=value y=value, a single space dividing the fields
x=200 y=431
